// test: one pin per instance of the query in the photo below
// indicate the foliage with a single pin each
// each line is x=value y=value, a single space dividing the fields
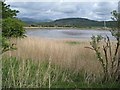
x=12 y=27
x=116 y=58
x=95 y=46
x=116 y=30
x=113 y=74
x=7 y=12
x=6 y=45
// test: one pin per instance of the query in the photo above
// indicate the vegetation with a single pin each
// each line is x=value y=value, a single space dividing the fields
x=69 y=67
x=28 y=73
x=6 y=45
x=11 y=27
x=7 y=12
x=20 y=73
x=111 y=56
x=14 y=29
x=73 y=42
x=42 y=63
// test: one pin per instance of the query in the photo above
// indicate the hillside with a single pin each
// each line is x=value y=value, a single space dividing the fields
x=70 y=22
x=33 y=21
x=76 y=22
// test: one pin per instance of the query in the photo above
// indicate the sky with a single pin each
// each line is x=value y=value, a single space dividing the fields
x=94 y=10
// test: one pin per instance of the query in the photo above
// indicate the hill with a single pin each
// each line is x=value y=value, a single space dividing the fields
x=69 y=22
x=34 y=21
x=76 y=22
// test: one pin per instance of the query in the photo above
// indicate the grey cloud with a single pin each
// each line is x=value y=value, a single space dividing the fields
x=56 y=10
x=66 y=7
x=104 y=9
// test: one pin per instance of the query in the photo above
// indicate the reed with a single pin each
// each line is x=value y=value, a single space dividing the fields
x=47 y=63
x=73 y=56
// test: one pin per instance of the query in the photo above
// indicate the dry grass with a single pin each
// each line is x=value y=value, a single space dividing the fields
x=75 y=57
x=65 y=61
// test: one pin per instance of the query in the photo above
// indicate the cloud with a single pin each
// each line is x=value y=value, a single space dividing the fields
x=66 y=7
x=57 y=10
x=104 y=9
x=62 y=0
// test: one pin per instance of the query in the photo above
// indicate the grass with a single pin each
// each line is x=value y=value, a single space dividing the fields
x=60 y=53
x=72 y=42
x=19 y=73
x=44 y=63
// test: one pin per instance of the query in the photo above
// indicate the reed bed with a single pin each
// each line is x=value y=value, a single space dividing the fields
x=73 y=56
x=40 y=62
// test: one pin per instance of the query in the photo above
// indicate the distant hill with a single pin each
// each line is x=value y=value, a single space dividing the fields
x=33 y=21
x=77 y=22
x=68 y=22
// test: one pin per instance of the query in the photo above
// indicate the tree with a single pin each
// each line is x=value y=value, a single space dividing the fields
x=11 y=27
x=7 y=12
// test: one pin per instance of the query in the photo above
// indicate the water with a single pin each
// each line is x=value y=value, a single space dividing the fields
x=67 y=33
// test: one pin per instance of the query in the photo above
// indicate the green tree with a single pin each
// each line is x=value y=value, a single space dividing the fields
x=11 y=27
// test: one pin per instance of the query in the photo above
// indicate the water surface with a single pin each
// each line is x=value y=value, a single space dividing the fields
x=67 y=33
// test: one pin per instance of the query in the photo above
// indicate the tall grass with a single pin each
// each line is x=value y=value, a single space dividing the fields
x=75 y=57
x=51 y=63
x=21 y=73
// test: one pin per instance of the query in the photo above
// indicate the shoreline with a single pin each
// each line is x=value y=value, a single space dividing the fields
x=66 y=28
